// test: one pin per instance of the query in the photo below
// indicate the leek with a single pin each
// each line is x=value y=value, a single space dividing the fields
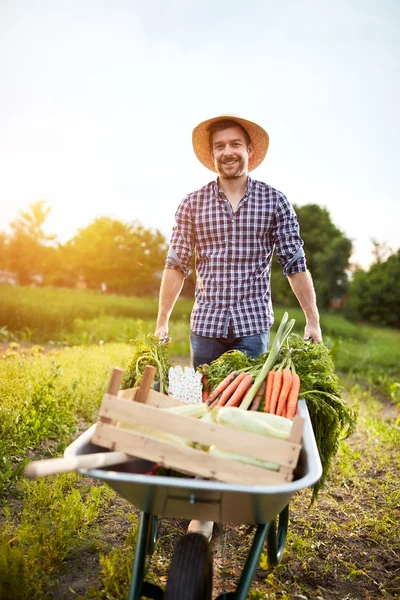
x=196 y=410
x=248 y=460
x=283 y=331
x=252 y=422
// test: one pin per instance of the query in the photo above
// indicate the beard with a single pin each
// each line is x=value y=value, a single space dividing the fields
x=233 y=171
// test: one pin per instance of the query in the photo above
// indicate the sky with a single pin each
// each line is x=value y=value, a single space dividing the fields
x=98 y=100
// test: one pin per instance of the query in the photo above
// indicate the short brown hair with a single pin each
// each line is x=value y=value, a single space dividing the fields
x=226 y=124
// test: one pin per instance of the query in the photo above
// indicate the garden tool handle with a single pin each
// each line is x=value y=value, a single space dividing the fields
x=53 y=466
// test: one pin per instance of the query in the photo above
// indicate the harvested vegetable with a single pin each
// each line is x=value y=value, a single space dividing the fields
x=293 y=397
x=248 y=460
x=234 y=360
x=276 y=390
x=255 y=405
x=147 y=350
x=260 y=423
x=268 y=390
x=240 y=391
x=222 y=386
x=227 y=393
x=287 y=379
x=332 y=418
x=284 y=329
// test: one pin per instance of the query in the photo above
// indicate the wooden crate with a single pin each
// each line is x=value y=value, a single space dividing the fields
x=141 y=406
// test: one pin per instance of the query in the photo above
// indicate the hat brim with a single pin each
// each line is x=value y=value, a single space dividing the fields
x=258 y=136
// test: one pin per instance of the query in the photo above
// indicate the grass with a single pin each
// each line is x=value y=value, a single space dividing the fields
x=72 y=537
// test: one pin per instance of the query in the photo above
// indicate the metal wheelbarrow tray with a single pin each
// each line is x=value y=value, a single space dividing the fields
x=262 y=504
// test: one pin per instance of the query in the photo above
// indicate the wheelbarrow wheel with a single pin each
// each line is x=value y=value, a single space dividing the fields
x=191 y=571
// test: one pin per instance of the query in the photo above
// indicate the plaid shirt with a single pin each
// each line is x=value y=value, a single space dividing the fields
x=233 y=255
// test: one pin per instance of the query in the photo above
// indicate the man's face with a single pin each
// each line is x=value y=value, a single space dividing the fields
x=230 y=153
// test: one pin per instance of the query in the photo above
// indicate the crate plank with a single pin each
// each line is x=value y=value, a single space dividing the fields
x=271 y=449
x=183 y=458
x=153 y=398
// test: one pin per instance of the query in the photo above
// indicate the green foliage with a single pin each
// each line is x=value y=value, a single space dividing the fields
x=234 y=360
x=28 y=247
x=57 y=518
x=327 y=252
x=127 y=257
x=52 y=314
x=147 y=351
x=46 y=396
x=375 y=294
x=332 y=418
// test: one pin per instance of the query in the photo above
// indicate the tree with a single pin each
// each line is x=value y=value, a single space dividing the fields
x=328 y=253
x=125 y=257
x=28 y=245
x=3 y=251
x=375 y=294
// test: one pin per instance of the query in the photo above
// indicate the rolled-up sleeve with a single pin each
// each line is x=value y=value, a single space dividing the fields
x=288 y=243
x=182 y=240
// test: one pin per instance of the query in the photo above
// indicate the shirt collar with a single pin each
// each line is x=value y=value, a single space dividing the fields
x=219 y=192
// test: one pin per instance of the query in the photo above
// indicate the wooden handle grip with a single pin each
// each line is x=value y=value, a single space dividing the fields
x=53 y=466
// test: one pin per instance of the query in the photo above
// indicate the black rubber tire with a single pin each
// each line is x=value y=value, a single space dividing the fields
x=191 y=571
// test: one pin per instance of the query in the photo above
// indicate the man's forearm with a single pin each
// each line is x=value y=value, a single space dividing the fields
x=171 y=286
x=303 y=289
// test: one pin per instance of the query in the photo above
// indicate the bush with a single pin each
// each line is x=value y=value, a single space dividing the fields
x=375 y=294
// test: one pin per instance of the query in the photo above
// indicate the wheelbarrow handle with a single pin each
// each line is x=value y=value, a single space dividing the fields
x=53 y=466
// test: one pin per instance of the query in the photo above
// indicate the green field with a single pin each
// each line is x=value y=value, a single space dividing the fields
x=69 y=537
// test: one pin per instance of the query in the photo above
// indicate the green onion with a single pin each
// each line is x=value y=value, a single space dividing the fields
x=284 y=329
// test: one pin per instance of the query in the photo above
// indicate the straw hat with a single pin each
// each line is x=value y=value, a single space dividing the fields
x=258 y=136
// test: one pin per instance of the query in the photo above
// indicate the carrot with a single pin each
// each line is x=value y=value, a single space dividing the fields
x=222 y=385
x=205 y=394
x=276 y=388
x=255 y=405
x=206 y=391
x=227 y=393
x=213 y=402
x=241 y=389
x=268 y=390
x=293 y=397
x=287 y=379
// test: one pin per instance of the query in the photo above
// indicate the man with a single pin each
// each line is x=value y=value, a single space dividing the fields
x=233 y=225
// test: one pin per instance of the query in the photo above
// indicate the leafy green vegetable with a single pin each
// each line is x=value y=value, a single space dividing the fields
x=233 y=360
x=147 y=350
x=332 y=418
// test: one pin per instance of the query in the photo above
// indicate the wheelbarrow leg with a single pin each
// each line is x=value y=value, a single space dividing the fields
x=144 y=546
x=275 y=548
x=276 y=541
x=252 y=561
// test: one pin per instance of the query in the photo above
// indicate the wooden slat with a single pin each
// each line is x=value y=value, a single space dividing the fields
x=145 y=384
x=232 y=440
x=153 y=398
x=183 y=458
x=295 y=436
x=113 y=386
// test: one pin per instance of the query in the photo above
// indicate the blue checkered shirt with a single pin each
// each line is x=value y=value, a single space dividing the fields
x=233 y=255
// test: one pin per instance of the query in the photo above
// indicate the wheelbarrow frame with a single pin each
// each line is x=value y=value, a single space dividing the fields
x=265 y=506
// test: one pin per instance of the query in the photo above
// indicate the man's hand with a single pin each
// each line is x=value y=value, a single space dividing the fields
x=162 y=332
x=302 y=286
x=313 y=331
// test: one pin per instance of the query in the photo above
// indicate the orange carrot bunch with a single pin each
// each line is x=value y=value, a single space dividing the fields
x=231 y=390
x=282 y=392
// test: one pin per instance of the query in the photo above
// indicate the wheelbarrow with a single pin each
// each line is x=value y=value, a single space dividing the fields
x=191 y=569
x=215 y=489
